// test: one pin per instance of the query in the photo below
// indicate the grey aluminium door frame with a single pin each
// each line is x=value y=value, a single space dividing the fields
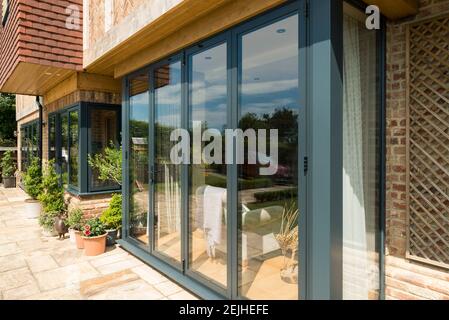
x=324 y=144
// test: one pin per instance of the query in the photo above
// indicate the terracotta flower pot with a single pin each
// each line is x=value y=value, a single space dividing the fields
x=94 y=246
x=79 y=239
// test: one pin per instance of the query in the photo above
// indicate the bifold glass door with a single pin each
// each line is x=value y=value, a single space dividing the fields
x=165 y=175
x=208 y=183
x=227 y=215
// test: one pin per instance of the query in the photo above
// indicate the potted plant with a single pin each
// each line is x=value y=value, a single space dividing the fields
x=112 y=218
x=52 y=199
x=32 y=181
x=8 y=169
x=94 y=237
x=75 y=221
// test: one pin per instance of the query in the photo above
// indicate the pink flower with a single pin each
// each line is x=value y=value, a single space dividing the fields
x=87 y=233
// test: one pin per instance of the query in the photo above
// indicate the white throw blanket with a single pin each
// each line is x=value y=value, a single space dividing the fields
x=213 y=214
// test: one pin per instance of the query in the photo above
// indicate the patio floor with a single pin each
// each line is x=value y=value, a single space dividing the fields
x=36 y=267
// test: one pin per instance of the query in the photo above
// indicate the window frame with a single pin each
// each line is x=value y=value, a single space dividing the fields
x=28 y=128
x=83 y=109
x=91 y=108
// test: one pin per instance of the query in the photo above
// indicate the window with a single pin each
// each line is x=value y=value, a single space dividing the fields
x=104 y=132
x=208 y=101
x=52 y=137
x=76 y=132
x=29 y=140
x=74 y=149
x=139 y=115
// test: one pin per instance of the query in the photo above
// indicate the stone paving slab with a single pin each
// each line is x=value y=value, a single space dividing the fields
x=44 y=268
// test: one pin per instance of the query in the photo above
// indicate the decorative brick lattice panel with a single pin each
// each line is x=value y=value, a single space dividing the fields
x=428 y=141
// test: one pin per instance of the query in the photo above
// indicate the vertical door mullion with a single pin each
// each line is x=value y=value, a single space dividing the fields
x=125 y=157
x=185 y=241
x=151 y=153
x=233 y=174
x=302 y=149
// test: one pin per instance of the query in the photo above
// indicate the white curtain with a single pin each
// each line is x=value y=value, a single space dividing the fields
x=355 y=256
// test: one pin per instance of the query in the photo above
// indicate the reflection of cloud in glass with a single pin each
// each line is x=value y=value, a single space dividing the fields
x=269 y=87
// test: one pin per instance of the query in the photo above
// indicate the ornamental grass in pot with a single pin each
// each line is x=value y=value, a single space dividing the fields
x=75 y=222
x=112 y=219
x=94 y=237
x=32 y=181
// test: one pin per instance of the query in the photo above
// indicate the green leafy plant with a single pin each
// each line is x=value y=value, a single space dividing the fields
x=7 y=164
x=33 y=179
x=112 y=216
x=52 y=196
x=108 y=164
x=94 y=228
x=75 y=219
x=47 y=220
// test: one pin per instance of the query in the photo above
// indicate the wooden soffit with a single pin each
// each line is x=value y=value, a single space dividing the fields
x=396 y=9
x=184 y=25
x=34 y=79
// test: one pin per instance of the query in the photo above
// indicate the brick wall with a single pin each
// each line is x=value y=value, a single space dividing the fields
x=405 y=279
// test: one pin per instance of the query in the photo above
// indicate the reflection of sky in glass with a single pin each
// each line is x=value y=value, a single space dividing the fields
x=139 y=107
x=269 y=71
x=168 y=98
x=208 y=87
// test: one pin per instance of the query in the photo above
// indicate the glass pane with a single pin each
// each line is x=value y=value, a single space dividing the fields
x=361 y=107
x=23 y=148
x=52 y=137
x=268 y=206
x=104 y=133
x=208 y=182
x=74 y=155
x=64 y=148
x=34 y=140
x=139 y=116
x=167 y=195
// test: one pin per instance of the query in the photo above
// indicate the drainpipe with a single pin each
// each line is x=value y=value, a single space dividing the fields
x=41 y=124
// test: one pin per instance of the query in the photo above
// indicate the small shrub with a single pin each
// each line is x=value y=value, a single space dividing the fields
x=52 y=196
x=7 y=165
x=47 y=220
x=112 y=216
x=33 y=179
x=75 y=219
x=94 y=228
